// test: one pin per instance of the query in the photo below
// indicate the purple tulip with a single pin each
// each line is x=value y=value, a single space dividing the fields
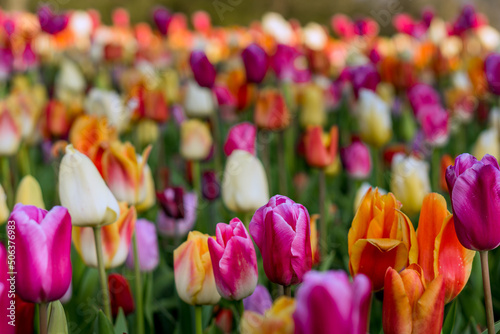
x=474 y=188
x=210 y=186
x=466 y=20
x=5 y=300
x=492 y=70
x=327 y=302
x=422 y=95
x=172 y=202
x=203 y=70
x=171 y=227
x=50 y=22
x=233 y=260
x=241 y=137
x=147 y=246
x=364 y=76
x=162 y=18
x=256 y=62
x=357 y=160
x=259 y=301
x=284 y=64
x=43 y=246
x=281 y=229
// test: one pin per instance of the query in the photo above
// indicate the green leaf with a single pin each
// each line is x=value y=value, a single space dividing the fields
x=449 y=322
x=104 y=326
x=497 y=328
x=121 y=323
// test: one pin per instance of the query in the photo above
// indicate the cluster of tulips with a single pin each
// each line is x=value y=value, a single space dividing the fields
x=146 y=140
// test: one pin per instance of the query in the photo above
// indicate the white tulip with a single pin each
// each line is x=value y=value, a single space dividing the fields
x=84 y=193
x=110 y=105
x=487 y=143
x=244 y=187
x=374 y=118
x=199 y=101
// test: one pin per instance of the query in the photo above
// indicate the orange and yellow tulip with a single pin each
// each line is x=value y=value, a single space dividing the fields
x=90 y=134
x=410 y=305
x=440 y=252
x=271 y=112
x=321 y=148
x=381 y=236
x=277 y=320
x=193 y=272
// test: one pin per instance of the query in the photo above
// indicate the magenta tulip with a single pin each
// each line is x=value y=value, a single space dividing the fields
x=357 y=160
x=6 y=295
x=224 y=97
x=256 y=61
x=474 y=188
x=422 y=95
x=364 y=76
x=233 y=260
x=435 y=124
x=50 y=22
x=492 y=70
x=468 y=19
x=284 y=63
x=147 y=246
x=203 y=70
x=328 y=303
x=43 y=247
x=241 y=137
x=281 y=229
x=210 y=186
x=259 y=301
x=162 y=18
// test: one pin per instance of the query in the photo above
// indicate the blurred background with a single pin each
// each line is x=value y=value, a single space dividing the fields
x=243 y=12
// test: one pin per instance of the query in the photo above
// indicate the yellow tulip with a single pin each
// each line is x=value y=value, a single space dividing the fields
x=29 y=192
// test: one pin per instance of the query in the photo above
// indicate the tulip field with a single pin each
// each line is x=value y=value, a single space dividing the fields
x=175 y=176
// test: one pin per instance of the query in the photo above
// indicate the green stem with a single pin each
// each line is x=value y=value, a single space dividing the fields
x=24 y=160
x=247 y=217
x=488 y=304
x=281 y=163
x=435 y=167
x=241 y=307
x=287 y=290
x=198 y=319
x=42 y=317
x=138 y=288
x=102 y=273
x=217 y=140
x=7 y=180
x=322 y=212
x=378 y=168
x=197 y=177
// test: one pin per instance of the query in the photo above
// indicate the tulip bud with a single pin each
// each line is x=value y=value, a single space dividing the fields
x=374 y=117
x=475 y=201
x=51 y=22
x=278 y=319
x=277 y=228
x=120 y=295
x=29 y=192
x=147 y=132
x=10 y=132
x=259 y=301
x=210 y=187
x=241 y=137
x=410 y=181
x=271 y=112
x=116 y=239
x=289 y=64
x=364 y=77
x=4 y=210
x=435 y=124
x=147 y=246
x=179 y=212
x=313 y=106
x=83 y=191
x=328 y=302
x=196 y=140
x=487 y=143
x=198 y=101
x=203 y=71
x=244 y=185
x=492 y=71
x=108 y=104
x=162 y=18
x=315 y=239
x=357 y=160
x=256 y=62
x=56 y=318
x=43 y=246
x=320 y=149
x=233 y=260
x=193 y=271
x=171 y=86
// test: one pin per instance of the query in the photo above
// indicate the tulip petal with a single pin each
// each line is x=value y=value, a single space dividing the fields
x=372 y=257
x=301 y=244
x=476 y=205
x=428 y=315
x=361 y=287
x=189 y=271
x=397 y=312
x=452 y=260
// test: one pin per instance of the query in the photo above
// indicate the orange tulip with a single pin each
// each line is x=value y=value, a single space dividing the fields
x=446 y=161
x=271 y=112
x=320 y=148
x=440 y=252
x=277 y=320
x=57 y=120
x=410 y=305
x=315 y=239
x=381 y=236
x=90 y=134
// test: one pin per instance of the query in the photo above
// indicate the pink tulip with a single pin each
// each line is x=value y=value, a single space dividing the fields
x=328 y=303
x=256 y=62
x=281 y=229
x=357 y=160
x=363 y=77
x=5 y=296
x=43 y=248
x=421 y=95
x=285 y=65
x=435 y=124
x=147 y=246
x=233 y=260
x=203 y=70
x=241 y=137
